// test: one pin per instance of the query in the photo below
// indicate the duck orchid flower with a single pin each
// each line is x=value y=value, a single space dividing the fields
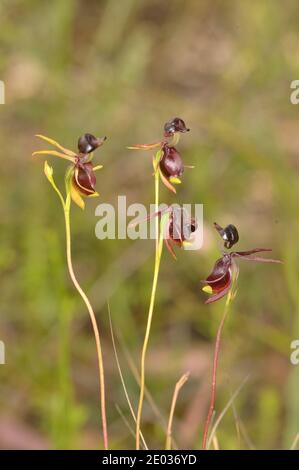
x=179 y=230
x=220 y=281
x=168 y=161
x=81 y=174
x=179 y=227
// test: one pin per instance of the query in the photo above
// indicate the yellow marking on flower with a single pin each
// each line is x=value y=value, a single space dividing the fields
x=98 y=167
x=208 y=289
x=175 y=180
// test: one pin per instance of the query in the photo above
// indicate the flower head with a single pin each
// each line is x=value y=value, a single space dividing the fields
x=168 y=161
x=81 y=174
x=225 y=270
x=180 y=228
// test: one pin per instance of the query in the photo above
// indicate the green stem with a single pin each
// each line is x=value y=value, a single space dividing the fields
x=62 y=428
x=159 y=248
x=66 y=207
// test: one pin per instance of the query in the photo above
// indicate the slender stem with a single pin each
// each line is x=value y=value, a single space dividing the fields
x=122 y=378
x=224 y=411
x=177 y=389
x=214 y=374
x=157 y=182
x=63 y=426
x=92 y=318
x=159 y=247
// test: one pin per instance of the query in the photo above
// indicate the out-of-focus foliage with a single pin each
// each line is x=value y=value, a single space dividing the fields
x=122 y=69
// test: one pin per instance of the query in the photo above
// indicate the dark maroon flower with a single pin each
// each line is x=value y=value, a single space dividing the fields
x=168 y=161
x=171 y=163
x=229 y=234
x=175 y=125
x=171 y=166
x=179 y=229
x=219 y=282
x=83 y=179
x=87 y=143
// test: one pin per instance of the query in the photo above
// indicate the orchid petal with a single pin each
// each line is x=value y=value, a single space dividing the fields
x=169 y=248
x=53 y=152
x=145 y=146
x=76 y=197
x=250 y=252
x=219 y=295
x=53 y=142
x=260 y=259
x=166 y=182
x=84 y=189
x=223 y=274
x=214 y=280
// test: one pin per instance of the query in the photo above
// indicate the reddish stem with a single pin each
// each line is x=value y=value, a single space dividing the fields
x=214 y=377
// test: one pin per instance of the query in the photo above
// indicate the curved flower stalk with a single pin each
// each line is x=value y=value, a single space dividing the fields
x=80 y=182
x=222 y=281
x=168 y=167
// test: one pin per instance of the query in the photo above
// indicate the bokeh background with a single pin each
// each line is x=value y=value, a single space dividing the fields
x=121 y=69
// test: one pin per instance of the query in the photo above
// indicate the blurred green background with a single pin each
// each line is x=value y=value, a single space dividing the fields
x=122 y=69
